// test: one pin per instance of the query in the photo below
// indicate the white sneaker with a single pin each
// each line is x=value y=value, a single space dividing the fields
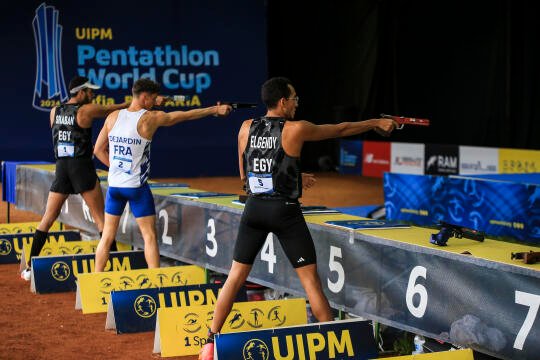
x=26 y=274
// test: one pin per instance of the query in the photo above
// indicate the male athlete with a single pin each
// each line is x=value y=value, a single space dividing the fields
x=269 y=159
x=71 y=125
x=124 y=146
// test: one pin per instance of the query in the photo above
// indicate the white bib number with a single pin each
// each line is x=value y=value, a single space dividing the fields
x=66 y=149
x=260 y=183
x=122 y=164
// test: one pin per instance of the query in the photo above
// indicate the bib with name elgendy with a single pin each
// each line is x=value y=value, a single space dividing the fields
x=269 y=171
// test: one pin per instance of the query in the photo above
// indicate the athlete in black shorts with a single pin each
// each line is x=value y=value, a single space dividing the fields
x=71 y=125
x=269 y=157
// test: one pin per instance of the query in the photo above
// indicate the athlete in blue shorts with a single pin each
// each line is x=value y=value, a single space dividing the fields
x=124 y=146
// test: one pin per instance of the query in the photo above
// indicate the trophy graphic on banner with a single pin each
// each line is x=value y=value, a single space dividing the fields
x=50 y=87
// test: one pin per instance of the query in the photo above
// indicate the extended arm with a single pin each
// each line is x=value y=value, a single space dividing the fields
x=89 y=112
x=175 y=117
x=312 y=132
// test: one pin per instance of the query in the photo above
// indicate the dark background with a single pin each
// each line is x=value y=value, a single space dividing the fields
x=471 y=67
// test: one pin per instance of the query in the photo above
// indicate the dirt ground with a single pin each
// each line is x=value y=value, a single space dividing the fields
x=48 y=326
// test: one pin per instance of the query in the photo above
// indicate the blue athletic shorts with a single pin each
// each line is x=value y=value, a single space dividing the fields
x=141 y=201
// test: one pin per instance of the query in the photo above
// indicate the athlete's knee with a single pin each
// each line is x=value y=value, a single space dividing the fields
x=149 y=237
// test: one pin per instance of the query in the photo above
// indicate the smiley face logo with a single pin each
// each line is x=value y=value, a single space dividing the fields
x=60 y=271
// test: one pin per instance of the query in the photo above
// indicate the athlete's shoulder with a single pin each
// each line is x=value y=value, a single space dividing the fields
x=153 y=115
x=247 y=122
x=296 y=125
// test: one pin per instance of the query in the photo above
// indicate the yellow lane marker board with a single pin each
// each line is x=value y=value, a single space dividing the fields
x=25 y=227
x=464 y=354
x=93 y=289
x=60 y=248
x=182 y=331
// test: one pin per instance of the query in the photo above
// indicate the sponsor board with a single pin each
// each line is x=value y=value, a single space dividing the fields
x=517 y=161
x=61 y=248
x=441 y=159
x=350 y=157
x=58 y=273
x=478 y=160
x=407 y=158
x=12 y=245
x=346 y=339
x=25 y=227
x=376 y=158
x=132 y=311
x=182 y=331
x=93 y=289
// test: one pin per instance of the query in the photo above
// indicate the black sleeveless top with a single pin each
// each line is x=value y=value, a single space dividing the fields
x=270 y=172
x=69 y=139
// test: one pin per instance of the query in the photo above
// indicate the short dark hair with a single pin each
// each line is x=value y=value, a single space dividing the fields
x=274 y=89
x=145 y=85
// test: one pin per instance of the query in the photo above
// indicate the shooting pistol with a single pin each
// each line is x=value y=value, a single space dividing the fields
x=404 y=120
x=238 y=105
x=450 y=230
x=530 y=257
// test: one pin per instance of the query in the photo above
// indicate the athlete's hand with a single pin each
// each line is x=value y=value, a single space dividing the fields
x=385 y=126
x=223 y=110
x=308 y=180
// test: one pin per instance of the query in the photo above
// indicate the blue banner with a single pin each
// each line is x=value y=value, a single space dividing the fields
x=199 y=52
x=11 y=245
x=350 y=157
x=136 y=310
x=498 y=208
x=334 y=340
x=58 y=273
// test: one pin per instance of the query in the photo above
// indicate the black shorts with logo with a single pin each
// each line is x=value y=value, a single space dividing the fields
x=74 y=176
x=282 y=217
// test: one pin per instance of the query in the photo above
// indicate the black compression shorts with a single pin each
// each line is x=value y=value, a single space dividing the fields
x=283 y=218
x=74 y=176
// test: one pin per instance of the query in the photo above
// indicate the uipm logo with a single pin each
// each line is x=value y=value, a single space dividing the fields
x=50 y=87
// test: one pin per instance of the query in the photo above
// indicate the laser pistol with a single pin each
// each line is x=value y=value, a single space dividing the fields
x=450 y=230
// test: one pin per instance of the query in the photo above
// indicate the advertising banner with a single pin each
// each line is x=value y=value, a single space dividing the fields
x=24 y=227
x=376 y=158
x=347 y=339
x=182 y=331
x=441 y=159
x=475 y=160
x=132 y=311
x=407 y=158
x=350 y=157
x=12 y=245
x=93 y=289
x=498 y=208
x=197 y=51
x=59 y=273
x=519 y=161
